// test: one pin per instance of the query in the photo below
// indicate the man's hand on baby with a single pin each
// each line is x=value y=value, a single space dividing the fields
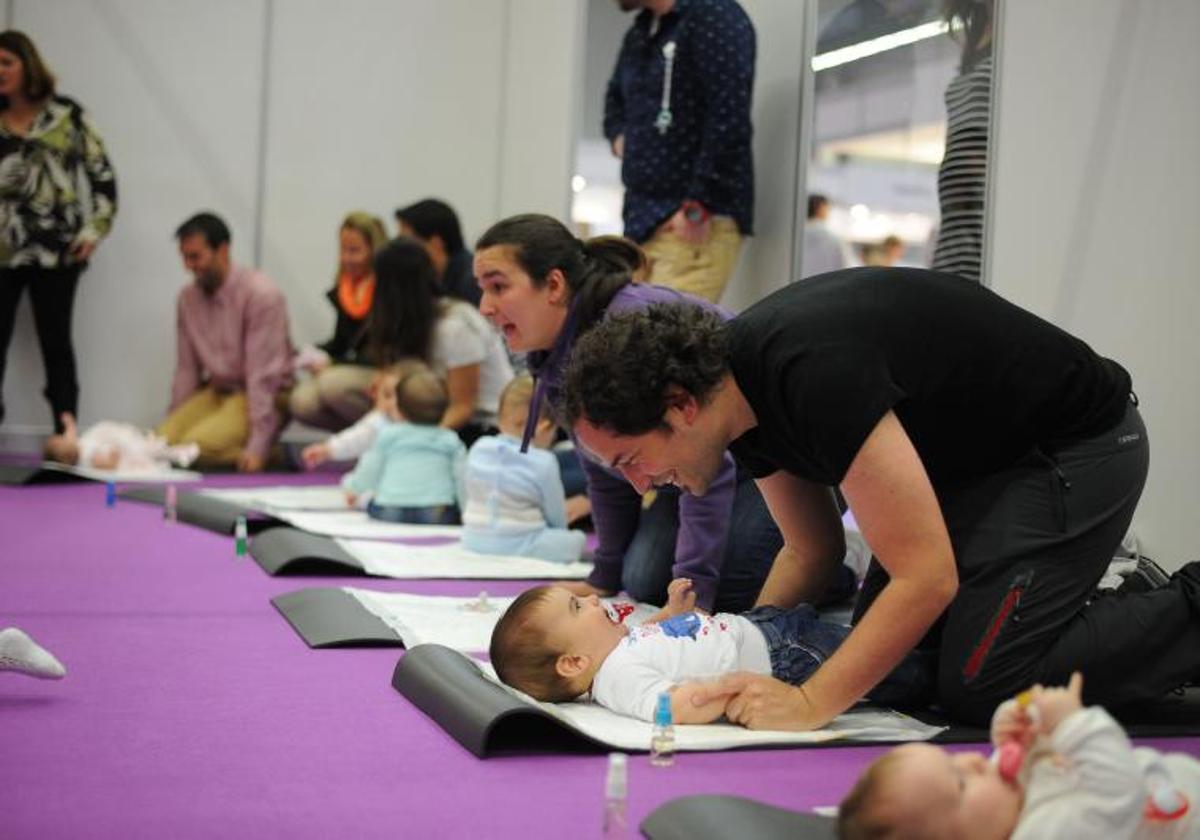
x=757 y=701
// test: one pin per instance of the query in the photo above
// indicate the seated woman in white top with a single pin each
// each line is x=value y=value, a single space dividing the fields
x=408 y=319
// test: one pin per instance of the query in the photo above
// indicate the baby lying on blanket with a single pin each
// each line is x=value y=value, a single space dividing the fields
x=108 y=445
x=556 y=646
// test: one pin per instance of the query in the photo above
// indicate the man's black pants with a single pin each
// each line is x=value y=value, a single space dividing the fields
x=1031 y=542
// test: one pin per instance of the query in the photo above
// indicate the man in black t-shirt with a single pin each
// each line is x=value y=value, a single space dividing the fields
x=992 y=460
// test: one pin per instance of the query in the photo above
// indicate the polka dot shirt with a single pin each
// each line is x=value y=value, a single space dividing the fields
x=704 y=153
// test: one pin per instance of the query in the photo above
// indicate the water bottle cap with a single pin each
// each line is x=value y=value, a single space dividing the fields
x=662 y=711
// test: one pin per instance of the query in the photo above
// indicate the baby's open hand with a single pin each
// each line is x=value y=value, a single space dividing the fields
x=1055 y=704
x=680 y=597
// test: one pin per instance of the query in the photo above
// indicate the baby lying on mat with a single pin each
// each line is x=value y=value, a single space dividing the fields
x=1073 y=774
x=108 y=445
x=556 y=646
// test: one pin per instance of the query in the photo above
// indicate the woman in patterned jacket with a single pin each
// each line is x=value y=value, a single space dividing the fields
x=58 y=196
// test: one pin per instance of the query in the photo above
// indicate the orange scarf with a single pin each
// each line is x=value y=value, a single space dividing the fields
x=355 y=296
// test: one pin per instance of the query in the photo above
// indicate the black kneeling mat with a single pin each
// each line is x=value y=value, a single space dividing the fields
x=719 y=817
x=290 y=551
x=206 y=512
x=19 y=475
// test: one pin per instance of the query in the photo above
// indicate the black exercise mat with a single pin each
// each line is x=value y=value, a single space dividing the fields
x=206 y=512
x=19 y=475
x=448 y=687
x=289 y=551
x=326 y=617
x=719 y=817
x=488 y=720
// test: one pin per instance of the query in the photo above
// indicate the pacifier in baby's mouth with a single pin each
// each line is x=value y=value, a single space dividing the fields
x=619 y=611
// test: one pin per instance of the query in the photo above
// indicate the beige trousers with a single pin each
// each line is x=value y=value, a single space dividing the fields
x=333 y=399
x=218 y=423
x=701 y=270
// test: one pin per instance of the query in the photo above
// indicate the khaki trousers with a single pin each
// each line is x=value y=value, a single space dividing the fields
x=218 y=423
x=334 y=398
x=701 y=270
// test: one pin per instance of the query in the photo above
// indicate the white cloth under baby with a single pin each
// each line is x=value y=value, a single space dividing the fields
x=626 y=733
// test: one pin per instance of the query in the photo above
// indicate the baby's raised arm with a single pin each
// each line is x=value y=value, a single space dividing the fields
x=680 y=599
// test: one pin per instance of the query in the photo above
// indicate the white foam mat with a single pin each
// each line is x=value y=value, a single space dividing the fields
x=355 y=524
x=325 y=497
x=451 y=560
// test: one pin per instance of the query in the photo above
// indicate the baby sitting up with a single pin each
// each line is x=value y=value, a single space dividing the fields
x=413 y=470
x=1075 y=775
x=556 y=646
x=108 y=445
x=352 y=442
x=515 y=501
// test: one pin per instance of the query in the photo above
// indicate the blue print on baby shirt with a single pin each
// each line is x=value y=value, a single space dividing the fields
x=680 y=626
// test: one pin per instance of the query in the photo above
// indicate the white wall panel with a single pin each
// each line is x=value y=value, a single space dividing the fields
x=1094 y=218
x=173 y=88
x=372 y=105
x=369 y=104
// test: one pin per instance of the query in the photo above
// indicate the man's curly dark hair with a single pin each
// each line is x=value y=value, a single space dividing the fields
x=620 y=370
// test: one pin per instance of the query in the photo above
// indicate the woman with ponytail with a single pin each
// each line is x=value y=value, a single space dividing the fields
x=543 y=288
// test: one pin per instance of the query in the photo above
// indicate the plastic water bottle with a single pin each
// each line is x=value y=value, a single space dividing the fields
x=110 y=494
x=239 y=536
x=169 y=504
x=662 y=742
x=614 y=796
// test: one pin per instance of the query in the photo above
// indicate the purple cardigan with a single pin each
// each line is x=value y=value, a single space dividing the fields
x=616 y=506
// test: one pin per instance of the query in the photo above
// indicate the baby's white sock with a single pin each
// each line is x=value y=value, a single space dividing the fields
x=18 y=652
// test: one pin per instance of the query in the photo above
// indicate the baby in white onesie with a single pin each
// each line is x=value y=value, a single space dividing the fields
x=109 y=445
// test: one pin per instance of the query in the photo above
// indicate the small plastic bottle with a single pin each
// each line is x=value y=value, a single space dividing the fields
x=614 y=797
x=110 y=494
x=662 y=742
x=239 y=536
x=170 y=501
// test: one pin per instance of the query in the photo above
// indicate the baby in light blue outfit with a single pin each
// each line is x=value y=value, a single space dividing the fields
x=414 y=469
x=515 y=501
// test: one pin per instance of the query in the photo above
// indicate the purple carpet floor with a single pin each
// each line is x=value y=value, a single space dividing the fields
x=191 y=709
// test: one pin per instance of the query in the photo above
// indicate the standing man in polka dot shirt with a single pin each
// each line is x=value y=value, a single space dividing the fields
x=677 y=113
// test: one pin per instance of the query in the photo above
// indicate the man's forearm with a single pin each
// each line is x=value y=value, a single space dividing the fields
x=890 y=629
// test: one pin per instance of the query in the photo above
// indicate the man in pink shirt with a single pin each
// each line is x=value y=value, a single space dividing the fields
x=233 y=353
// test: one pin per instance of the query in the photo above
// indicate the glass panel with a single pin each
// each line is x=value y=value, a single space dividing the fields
x=887 y=73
